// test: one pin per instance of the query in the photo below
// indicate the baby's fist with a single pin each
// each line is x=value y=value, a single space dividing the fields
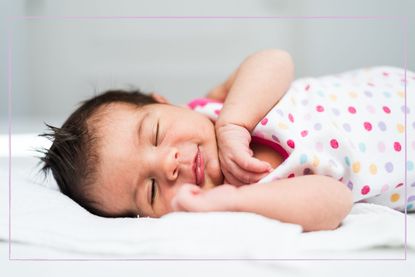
x=191 y=198
x=237 y=162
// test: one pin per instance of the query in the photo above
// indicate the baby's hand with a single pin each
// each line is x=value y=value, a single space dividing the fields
x=236 y=158
x=191 y=198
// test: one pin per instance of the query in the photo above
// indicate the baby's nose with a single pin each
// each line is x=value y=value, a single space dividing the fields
x=171 y=164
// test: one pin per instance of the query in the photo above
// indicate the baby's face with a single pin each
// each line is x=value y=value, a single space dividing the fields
x=145 y=154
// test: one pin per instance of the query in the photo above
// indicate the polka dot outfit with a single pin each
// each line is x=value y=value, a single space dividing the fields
x=349 y=126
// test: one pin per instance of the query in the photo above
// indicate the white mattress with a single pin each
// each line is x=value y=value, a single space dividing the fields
x=47 y=225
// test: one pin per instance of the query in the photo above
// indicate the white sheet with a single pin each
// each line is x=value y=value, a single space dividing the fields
x=43 y=216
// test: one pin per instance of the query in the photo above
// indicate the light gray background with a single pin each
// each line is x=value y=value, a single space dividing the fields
x=59 y=62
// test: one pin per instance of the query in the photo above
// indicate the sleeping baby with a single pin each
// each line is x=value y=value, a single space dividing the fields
x=299 y=151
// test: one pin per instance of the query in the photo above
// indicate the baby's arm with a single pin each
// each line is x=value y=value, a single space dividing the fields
x=257 y=85
x=315 y=202
x=254 y=88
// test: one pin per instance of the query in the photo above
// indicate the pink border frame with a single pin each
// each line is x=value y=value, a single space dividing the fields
x=403 y=19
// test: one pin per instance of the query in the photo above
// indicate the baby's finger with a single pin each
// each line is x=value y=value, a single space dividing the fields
x=246 y=177
x=186 y=198
x=245 y=161
x=231 y=179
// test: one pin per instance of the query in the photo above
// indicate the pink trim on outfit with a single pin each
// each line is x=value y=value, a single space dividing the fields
x=273 y=145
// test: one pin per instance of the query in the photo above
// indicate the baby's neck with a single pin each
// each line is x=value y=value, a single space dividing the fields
x=266 y=153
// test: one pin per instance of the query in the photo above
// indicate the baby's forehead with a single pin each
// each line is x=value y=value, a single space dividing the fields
x=111 y=113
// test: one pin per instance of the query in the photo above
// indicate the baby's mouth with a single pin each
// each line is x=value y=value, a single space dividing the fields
x=198 y=168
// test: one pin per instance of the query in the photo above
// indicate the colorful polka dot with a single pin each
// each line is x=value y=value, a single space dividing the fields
x=367 y=126
x=275 y=138
x=315 y=162
x=307 y=171
x=381 y=146
x=386 y=109
x=347 y=161
x=293 y=101
x=386 y=94
x=282 y=126
x=365 y=190
x=304 y=133
x=333 y=97
x=370 y=108
x=356 y=167
x=303 y=158
x=320 y=108
x=400 y=128
x=411 y=198
x=335 y=111
x=317 y=126
x=368 y=93
x=291 y=143
x=334 y=144
x=292 y=175
x=395 y=197
x=332 y=163
x=264 y=121
x=373 y=169
x=382 y=126
x=362 y=147
x=405 y=109
x=352 y=110
x=350 y=185
x=291 y=118
x=281 y=113
x=385 y=188
x=389 y=167
x=304 y=102
x=397 y=146
x=346 y=127
x=409 y=165
x=353 y=94
x=319 y=146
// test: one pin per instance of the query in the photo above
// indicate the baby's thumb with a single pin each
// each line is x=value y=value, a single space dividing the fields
x=184 y=200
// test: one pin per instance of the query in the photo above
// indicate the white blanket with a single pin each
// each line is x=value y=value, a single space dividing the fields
x=43 y=216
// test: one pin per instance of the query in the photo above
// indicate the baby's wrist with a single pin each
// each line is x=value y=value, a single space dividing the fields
x=223 y=123
x=234 y=200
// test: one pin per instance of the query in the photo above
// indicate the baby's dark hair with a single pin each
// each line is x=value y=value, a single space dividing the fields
x=72 y=155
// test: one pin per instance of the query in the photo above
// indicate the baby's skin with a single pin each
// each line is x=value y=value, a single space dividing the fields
x=184 y=162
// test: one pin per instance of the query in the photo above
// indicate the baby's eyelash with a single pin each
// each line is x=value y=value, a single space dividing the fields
x=157 y=133
x=153 y=191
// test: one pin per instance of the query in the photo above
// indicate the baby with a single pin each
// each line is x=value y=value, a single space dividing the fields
x=261 y=144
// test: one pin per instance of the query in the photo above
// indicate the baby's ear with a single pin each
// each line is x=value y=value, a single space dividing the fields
x=159 y=98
